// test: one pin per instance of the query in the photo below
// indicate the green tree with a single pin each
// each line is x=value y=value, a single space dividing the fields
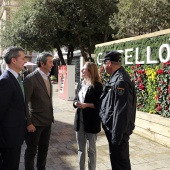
x=140 y=16
x=47 y=24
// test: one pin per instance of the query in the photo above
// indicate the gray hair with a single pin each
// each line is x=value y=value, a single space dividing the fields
x=11 y=52
x=42 y=57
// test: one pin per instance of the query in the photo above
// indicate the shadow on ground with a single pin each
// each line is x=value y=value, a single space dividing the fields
x=62 y=150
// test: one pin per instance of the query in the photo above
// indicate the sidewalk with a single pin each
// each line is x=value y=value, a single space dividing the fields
x=62 y=155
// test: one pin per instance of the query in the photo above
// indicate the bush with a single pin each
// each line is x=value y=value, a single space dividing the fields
x=152 y=82
x=152 y=87
x=53 y=78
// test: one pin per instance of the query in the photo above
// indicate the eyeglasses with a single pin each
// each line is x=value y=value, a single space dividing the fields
x=105 y=61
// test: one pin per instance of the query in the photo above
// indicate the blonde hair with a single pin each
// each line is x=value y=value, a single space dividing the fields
x=94 y=75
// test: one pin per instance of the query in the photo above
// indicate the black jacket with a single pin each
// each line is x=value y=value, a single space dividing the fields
x=91 y=119
x=118 y=106
x=12 y=113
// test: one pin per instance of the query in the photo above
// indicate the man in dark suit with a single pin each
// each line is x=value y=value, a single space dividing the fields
x=12 y=114
x=39 y=111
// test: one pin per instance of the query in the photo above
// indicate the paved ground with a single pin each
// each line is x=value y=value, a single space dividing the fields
x=62 y=155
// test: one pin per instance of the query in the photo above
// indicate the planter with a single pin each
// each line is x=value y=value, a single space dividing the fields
x=153 y=127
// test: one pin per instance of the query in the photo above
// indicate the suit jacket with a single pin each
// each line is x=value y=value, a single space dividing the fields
x=91 y=118
x=39 y=108
x=12 y=112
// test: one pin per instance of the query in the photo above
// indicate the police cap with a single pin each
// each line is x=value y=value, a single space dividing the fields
x=112 y=56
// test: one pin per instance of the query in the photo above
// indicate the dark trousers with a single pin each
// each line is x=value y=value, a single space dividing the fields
x=119 y=154
x=10 y=158
x=37 y=141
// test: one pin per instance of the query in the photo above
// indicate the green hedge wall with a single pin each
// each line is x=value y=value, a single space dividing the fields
x=152 y=81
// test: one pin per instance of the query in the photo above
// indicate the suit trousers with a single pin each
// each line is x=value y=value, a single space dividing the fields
x=84 y=138
x=10 y=158
x=37 y=141
x=119 y=154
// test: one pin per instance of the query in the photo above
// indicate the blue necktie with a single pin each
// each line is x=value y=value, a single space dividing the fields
x=21 y=85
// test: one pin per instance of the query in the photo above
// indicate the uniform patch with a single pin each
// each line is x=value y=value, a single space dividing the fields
x=120 y=91
x=121 y=78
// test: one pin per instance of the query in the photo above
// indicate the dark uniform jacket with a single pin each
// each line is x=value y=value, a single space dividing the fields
x=118 y=106
x=91 y=119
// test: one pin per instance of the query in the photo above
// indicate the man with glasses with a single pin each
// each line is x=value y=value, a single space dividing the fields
x=118 y=110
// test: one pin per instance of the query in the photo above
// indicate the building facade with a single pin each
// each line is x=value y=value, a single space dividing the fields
x=7 y=9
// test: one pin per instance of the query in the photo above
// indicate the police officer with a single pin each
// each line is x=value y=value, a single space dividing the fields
x=118 y=110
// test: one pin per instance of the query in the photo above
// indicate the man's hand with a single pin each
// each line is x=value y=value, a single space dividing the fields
x=31 y=128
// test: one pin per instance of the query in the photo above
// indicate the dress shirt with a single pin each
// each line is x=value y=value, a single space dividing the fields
x=83 y=91
x=13 y=72
x=45 y=76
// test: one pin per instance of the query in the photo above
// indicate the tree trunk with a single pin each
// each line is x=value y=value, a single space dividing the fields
x=70 y=54
x=89 y=50
x=82 y=49
x=106 y=34
x=56 y=45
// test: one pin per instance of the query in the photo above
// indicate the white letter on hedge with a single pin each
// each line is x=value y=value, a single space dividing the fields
x=98 y=59
x=128 y=56
x=149 y=56
x=161 y=50
x=137 y=57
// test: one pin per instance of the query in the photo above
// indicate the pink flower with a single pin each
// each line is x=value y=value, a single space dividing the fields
x=157 y=97
x=158 y=108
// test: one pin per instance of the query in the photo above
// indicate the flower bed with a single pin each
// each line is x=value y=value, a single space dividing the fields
x=152 y=87
x=151 y=78
x=152 y=82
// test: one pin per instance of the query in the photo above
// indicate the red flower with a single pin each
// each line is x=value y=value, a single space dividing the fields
x=160 y=71
x=167 y=63
x=158 y=108
x=133 y=67
x=163 y=65
x=161 y=92
x=162 y=82
x=101 y=68
x=140 y=71
x=169 y=89
x=141 y=86
x=137 y=65
x=168 y=98
x=158 y=88
x=138 y=79
x=157 y=97
x=166 y=108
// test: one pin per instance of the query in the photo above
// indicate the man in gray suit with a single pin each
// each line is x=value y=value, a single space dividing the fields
x=39 y=111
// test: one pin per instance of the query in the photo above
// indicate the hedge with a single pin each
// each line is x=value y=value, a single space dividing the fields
x=152 y=81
